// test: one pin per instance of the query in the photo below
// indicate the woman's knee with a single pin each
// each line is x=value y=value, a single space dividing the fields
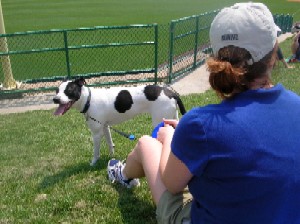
x=147 y=143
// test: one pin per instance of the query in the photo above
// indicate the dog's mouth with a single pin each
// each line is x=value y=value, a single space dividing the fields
x=63 y=108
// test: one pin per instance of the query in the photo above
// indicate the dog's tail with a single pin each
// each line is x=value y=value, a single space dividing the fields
x=180 y=104
x=176 y=96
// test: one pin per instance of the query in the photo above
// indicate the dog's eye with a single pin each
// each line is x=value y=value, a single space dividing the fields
x=57 y=91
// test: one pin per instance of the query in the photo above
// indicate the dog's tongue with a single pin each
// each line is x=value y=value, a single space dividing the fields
x=61 y=109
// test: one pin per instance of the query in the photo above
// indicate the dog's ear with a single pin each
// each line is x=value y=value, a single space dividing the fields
x=80 y=81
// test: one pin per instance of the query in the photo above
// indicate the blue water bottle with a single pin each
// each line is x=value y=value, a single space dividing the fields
x=155 y=130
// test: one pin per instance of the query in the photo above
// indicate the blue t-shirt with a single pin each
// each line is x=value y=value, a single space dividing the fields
x=244 y=154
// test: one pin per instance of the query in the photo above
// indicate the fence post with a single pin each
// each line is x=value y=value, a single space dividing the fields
x=155 y=52
x=289 y=22
x=9 y=81
x=172 y=30
x=67 y=54
x=196 y=42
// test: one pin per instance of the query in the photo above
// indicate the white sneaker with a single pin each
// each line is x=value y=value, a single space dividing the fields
x=114 y=171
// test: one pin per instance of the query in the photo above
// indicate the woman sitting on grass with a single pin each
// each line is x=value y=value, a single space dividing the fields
x=233 y=162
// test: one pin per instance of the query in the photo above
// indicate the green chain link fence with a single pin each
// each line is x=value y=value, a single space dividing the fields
x=285 y=22
x=107 y=55
x=189 y=43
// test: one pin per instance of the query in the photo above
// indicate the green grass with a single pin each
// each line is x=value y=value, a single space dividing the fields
x=20 y=15
x=46 y=177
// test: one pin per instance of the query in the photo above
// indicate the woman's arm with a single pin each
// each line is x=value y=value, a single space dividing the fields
x=175 y=175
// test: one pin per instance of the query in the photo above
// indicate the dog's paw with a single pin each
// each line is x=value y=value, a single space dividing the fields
x=94 y=161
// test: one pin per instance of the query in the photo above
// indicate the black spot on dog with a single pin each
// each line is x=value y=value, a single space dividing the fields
x=123 y=101
x=152 y=92
x=73 y=91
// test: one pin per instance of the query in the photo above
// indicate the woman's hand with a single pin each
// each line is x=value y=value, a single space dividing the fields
x=170 y=122
x=165 y=134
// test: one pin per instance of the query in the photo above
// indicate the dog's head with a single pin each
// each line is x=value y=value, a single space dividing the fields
x=67 y=94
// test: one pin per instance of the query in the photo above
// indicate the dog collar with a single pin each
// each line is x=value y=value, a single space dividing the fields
x=88 y=102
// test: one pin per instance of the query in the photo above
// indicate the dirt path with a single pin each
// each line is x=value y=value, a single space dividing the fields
x=194 y=82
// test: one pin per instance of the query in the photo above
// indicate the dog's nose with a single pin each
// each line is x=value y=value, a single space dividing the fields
x=56 y=100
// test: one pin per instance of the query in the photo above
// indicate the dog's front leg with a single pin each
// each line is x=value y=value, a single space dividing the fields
x=97 y=135
x=109 y=140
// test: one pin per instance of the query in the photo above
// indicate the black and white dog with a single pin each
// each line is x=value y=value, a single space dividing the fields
x=104 y=107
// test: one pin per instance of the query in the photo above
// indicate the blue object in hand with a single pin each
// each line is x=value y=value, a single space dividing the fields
x=155 y=130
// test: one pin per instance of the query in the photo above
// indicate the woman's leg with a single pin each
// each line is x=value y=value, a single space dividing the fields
x=144 y=161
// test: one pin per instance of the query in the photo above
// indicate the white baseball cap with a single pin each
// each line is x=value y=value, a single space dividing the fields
x=245 y=25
